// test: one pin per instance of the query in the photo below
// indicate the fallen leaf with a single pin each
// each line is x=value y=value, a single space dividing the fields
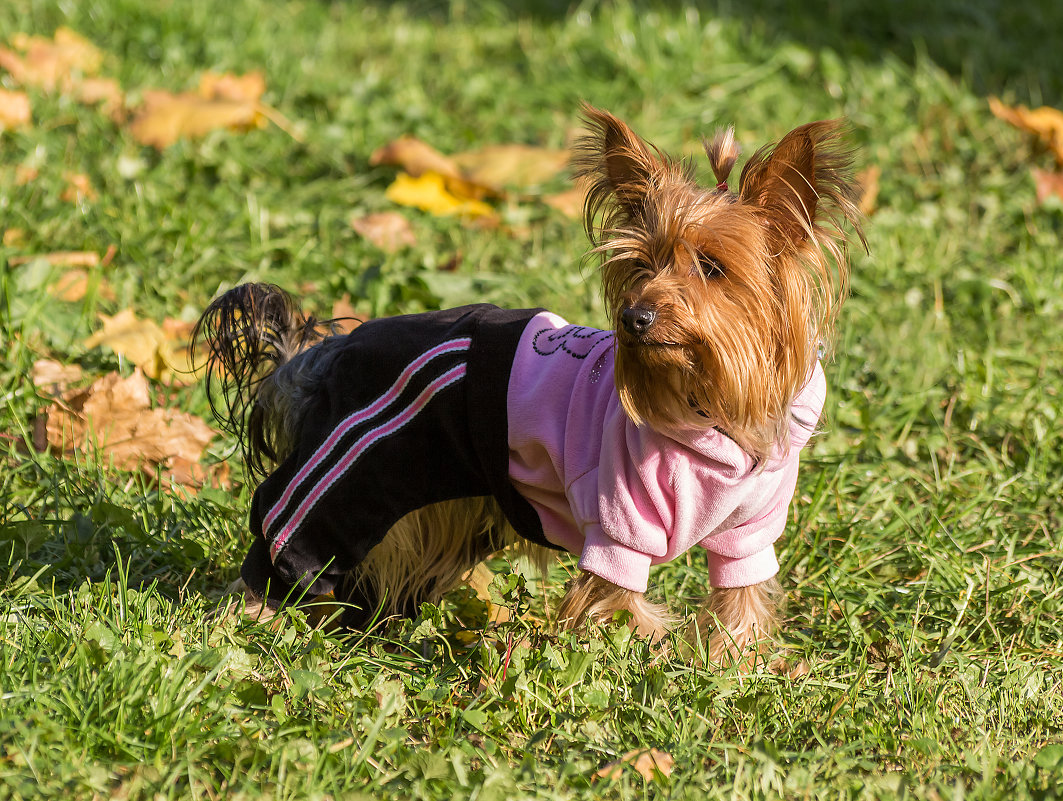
x=570 y=203
x=161 y=356
x=25 y=174
x=345 y=317
x=114 y=417
x=163 y=118
x=71 y=286
x=14 y=109
x=54 y=378
x=414 y=157
x=51 y=64
x=227 y=86
x=479 y=581
x=429 y=192
x=388 y=230
x=61 y=258
x=649 y=763
x=522 y=166
x=102 y=92
x=78 y=188
x=1046 y=123
x=867 y=182
x=1048 y=184
x=13 y=236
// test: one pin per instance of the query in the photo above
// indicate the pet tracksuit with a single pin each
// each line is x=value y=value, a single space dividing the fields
x=521 y=406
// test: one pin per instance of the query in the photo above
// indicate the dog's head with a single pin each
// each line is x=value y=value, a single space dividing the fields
x=719 y=299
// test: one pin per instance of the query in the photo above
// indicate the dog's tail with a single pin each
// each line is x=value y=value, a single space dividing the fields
x=248 y=333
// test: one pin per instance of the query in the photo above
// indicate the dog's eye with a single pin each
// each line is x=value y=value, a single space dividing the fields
x=709 y=266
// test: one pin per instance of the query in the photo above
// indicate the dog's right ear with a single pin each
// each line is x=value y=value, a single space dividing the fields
x=618 y=165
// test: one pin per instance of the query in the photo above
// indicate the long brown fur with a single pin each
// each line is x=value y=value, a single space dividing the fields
x=721 y=302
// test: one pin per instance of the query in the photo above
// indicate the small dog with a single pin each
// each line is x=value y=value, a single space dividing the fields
x=397 y=457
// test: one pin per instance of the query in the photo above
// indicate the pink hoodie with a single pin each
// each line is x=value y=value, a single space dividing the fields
x=625 y=497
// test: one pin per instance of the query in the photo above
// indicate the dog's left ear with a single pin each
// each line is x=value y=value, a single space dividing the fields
x=617 y=162
x=806 y=175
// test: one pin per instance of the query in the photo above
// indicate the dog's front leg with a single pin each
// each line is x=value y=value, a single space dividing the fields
x=589 y=596
x=741 y=620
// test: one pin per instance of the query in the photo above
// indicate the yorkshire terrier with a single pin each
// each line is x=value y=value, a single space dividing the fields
x=398 y=456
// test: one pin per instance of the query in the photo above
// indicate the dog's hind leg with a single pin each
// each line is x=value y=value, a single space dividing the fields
x=426 y=554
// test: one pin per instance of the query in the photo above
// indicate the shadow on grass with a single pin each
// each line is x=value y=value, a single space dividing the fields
x=996 y=46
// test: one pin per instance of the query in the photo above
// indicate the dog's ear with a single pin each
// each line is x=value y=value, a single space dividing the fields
x=806 y=176
x=616 y=162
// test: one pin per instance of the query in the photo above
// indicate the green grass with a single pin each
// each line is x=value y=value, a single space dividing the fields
x=923 y=564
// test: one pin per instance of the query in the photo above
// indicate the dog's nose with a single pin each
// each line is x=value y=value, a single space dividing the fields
x=637 y=320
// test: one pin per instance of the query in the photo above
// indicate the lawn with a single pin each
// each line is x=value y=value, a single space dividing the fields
x=923 y=637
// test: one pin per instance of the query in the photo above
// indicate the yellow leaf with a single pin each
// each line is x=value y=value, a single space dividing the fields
x=61 y=258
x=14 y=109
x=1046 y=123
x=428 y=192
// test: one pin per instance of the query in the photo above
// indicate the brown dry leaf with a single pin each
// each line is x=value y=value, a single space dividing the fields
x=161 y=356
x=570 y=202
x=114 y=416
x=51 y=64
x=1046 y=123
x=14 y=109
x=346 y=317
x=13 y=236
x=649 y=763
x=78 y=188
x=388 y=230
x=521 y=166
x=868 y=183
x=414 y=157
x=54 y=378
x=1048 y=184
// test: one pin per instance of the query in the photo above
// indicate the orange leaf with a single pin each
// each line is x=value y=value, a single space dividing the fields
x=1048 y=184
x=226 y=86
x=163 y=118
x=71 y=286
x=648 y=763
x=14 y=109
x=51 y=64
x=61 y=258
x=388 y=230
x=78 y=188
x=1046 y=123
x=114 y=416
